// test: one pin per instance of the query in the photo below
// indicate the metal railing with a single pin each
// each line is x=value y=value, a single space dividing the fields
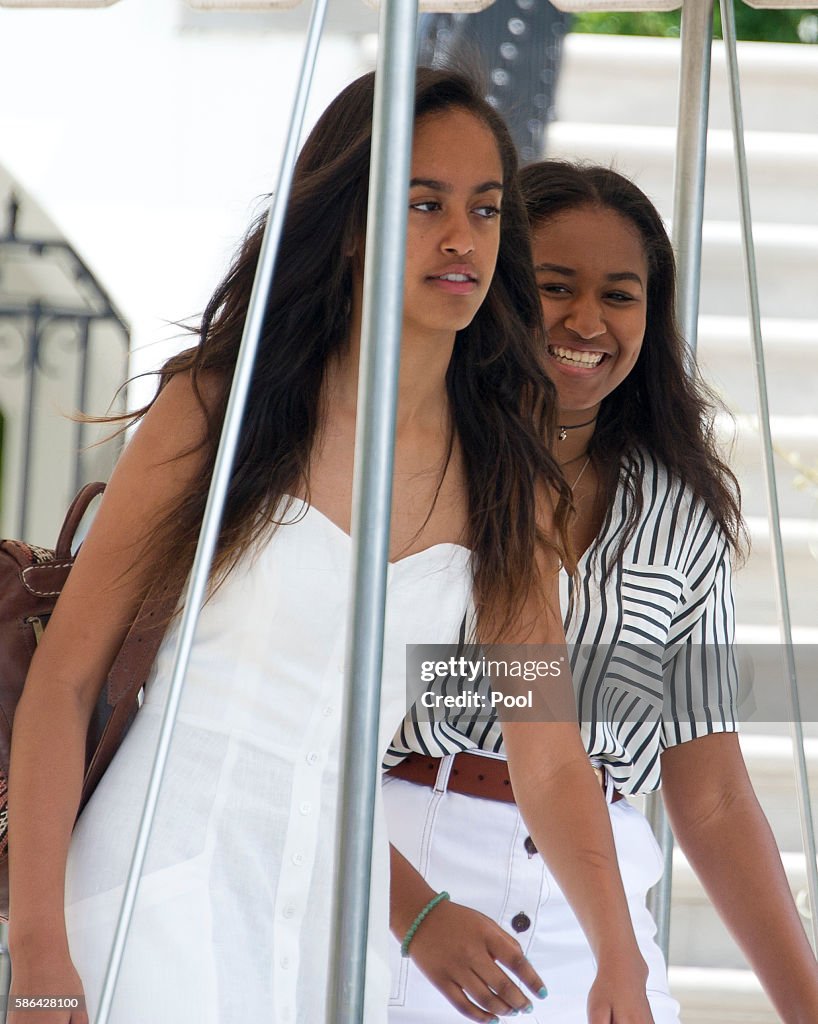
x=374 y=444
x=688 y=215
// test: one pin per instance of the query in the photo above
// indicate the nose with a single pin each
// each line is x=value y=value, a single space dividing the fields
x=458 y=237
x=585 y=319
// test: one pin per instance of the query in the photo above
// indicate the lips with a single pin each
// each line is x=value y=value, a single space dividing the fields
x=455 y=280
x=586 y=359
x=456 y=273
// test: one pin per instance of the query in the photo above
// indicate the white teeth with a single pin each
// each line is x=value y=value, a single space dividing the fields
x=572 y=357
x=460 y=278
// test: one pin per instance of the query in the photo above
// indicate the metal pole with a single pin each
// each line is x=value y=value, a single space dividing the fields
x=84 y=329
x=222 y=469
x=372 y=499
x=5 y=969
x=782 y=598
x=688 y=215
x=691 y=153
x=31 y=358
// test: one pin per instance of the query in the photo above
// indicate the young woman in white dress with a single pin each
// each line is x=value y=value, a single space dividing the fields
x=232 y=920
x=649 y=615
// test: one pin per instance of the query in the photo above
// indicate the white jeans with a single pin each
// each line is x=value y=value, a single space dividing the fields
x=475 y=850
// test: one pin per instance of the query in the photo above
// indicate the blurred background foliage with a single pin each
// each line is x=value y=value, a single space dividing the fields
x=764 y=25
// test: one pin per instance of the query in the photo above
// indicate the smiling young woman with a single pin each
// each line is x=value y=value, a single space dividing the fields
x=657 y=522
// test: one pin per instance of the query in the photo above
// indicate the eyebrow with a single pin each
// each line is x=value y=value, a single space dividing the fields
x=442 y=186
x=625 y=275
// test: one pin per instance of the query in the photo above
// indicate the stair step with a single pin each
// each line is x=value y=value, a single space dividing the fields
x=647 y=154
x=790 y=346
x=795 y=443
x=771 y=765
x=603 y=77
x=781 y=336
x=753 y=581
x=698 y=938
x=786 y=258
x=720 y=996
x=768 y=633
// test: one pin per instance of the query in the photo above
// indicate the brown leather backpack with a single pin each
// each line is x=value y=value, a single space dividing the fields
x=31 y=580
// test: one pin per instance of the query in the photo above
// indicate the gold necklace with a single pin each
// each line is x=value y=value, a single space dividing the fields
x=579 y=475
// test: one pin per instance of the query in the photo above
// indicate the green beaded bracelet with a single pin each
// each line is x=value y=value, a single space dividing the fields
x=430 y=906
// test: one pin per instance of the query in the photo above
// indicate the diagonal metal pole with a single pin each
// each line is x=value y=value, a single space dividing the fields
x=688 y=216
x=773 y=514
x=222 y=469
x=372 y=500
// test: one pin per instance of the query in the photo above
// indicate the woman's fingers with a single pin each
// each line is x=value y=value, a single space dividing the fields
x=509 y=953
x=474 y=963
x=458 y=998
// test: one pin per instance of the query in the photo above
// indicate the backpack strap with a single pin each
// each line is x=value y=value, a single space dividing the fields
x=127 y=677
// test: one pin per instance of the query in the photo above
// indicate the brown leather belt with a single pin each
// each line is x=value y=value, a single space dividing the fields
x=471 y=775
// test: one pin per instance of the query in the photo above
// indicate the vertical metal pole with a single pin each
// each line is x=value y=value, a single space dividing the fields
x=691 y=154
x=782 y=598
x=372 y=502
x=5 y=968
x=688 y=215
x=31 y=358
x=82 y=400
x=222 y=469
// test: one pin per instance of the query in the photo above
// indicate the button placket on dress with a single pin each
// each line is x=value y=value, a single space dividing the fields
x=527 y=889
x=301 y=843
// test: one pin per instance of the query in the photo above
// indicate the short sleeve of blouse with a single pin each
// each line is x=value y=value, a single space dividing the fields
x=700 y=670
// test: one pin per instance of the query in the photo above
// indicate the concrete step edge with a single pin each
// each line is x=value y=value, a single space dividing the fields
x=793 y=530
x=732 y=333
x=769 y=633
x=787 y=59
x=782 y=237
x=788 y=429
x=720 y=995
x=774 y=754
x=688 y=888
x=705 y=982
x=799 y=149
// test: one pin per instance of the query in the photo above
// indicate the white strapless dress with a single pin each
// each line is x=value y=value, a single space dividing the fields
x=233 y=915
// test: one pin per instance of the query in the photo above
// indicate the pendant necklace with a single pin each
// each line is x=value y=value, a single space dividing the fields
x=579 y=475
x=574 y=426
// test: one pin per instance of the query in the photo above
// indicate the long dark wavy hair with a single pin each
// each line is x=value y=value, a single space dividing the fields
x=503 y=405
x=663 y=406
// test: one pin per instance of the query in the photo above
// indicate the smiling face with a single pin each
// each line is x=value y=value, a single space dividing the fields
x=453 y=230
x=592 y=275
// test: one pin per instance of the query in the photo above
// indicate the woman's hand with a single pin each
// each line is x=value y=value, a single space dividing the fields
x=56 y=978
x=618 y=994
x=463 y=953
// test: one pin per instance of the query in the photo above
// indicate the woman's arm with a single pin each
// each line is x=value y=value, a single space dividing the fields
x=561 y=801
x=67 y=673
x=723 y=832
x=461 y=951
x=564 y=809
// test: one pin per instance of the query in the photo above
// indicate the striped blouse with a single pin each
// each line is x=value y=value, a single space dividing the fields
x=652 y=656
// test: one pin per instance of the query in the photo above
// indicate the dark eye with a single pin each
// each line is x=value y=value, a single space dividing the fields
x=425 y=206
x=622 y=297
x=488 y=211
x=553 y=289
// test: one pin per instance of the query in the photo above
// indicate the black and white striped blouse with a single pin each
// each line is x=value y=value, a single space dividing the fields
x=652 y=654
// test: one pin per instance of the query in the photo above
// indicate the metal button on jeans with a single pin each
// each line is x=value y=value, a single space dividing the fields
x=521 y=922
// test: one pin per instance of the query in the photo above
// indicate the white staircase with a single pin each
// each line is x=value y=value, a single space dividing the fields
x=617 y=104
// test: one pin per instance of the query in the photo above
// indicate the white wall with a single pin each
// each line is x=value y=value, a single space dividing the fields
x=148 y=143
